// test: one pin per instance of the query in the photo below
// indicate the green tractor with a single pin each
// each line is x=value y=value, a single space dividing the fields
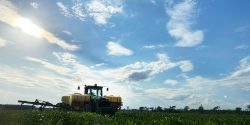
x=91 y=101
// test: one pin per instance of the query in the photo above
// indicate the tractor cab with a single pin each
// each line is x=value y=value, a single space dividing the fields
x=93 y=90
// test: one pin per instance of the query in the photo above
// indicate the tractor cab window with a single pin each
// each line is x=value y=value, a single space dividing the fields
x=94 y=92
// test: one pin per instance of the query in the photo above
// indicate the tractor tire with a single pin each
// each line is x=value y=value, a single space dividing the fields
x=88 y=108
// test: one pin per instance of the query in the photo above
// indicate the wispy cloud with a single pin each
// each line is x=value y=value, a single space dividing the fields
x=2 y=42
x=143 y=71
x=64 y=9
x=153 y=2
x=98 y=65
x=242 y=28
x=186 y=66
x=10 y=16
x=21 y=78
x=67 y=32
x=58 y=69
x=198 y=90
x=242 y=46
x=65 y=58
x=179 y=26
x=116 y=49
x=34 y=4
x=76 y=10
x=154 y=46
x=102 y=10
x=99 y=10
x=243 y=69
x=167 y=93
x=170 y=82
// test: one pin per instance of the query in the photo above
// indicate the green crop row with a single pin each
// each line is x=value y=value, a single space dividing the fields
x=120 y=118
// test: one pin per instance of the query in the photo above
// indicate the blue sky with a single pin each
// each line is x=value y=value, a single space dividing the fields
x=149 y=52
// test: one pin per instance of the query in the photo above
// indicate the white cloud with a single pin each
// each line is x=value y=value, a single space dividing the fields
x=24 y=79
x=167 y=93
x=99 y=10
x=58 y=69
x=67 y=32
x=200 y=47
x=242 y=46
x=98 y=65
x=237 y=80
x=65 y=58
x=116 y=49
x=141 y=71
x=64 y=10
x=171 y=82
x=34 y=5
x=243 y=69
x=10 y=16
x=153 y=2
x=2 y=42
x=102 y=10
x=193 y=92
x=180 y=24
x=186 y=65
x=78 y=10
x=32 y=85
x=53 y=39
x=198 y=90
x=243 y=28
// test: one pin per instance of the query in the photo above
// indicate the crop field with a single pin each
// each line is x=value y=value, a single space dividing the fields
x=28 y=117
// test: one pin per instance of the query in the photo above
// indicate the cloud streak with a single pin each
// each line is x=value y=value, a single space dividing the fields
x=155 y=46
x=180 y=24
x=10 y=16
x=58 y=69
x=2 y=42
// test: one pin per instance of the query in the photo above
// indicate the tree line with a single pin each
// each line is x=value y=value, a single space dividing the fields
x=199 y=109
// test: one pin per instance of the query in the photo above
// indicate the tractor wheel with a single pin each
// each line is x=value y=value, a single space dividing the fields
x=88 y=108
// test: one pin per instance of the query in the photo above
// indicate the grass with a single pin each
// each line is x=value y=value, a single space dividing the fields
x=29 y=117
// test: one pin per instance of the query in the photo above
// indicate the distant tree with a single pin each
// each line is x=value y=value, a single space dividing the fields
x=201 y=109
x=186 y=108
x=141 y=108
x=172 y=107
x=216 y=108
x=165 y=109
x=151 y=108
x=159 y=109
x=128 y=108
x=248 y=107
x=238 y=109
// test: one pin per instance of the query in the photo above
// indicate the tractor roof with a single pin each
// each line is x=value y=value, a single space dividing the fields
x=93 y=86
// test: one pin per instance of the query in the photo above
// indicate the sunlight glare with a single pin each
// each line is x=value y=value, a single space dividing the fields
x=28 y=27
